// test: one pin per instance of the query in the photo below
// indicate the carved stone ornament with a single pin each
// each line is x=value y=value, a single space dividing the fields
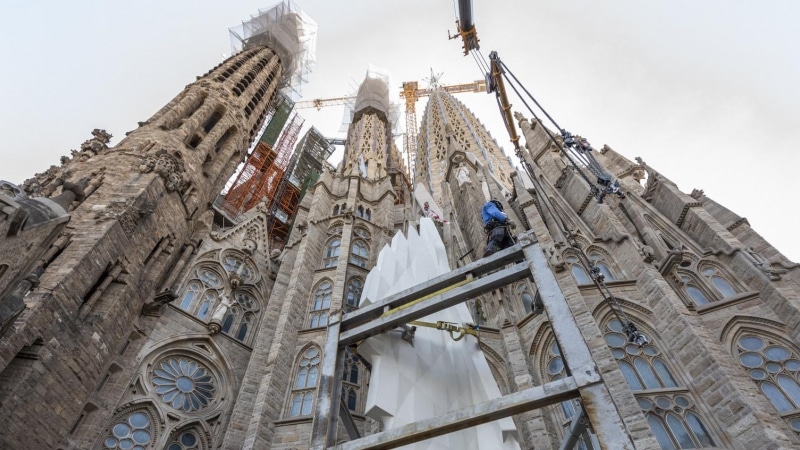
x=91 y=147
x=167 y=166
x=764 y=265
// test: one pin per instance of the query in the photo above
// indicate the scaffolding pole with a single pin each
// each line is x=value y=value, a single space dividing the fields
x=585 y=382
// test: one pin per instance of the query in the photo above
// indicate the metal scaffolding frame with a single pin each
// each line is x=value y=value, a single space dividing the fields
x=523 y=260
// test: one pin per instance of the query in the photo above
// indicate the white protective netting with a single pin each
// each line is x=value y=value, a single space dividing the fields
x=374 y=91
x=290 y=32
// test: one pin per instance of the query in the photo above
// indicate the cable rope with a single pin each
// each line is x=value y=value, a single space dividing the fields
x=572 y=150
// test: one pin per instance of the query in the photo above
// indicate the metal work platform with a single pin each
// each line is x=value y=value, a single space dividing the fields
x=521 y=261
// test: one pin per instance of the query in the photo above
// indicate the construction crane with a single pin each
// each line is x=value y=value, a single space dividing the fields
x=411 y=93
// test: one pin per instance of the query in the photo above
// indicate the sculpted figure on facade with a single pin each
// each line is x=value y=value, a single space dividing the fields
x=168 y=167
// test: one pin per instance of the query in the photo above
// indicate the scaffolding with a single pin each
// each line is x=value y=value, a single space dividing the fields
x=288 y=31
x=265 y=167
x=303 y=170
x=577 y=345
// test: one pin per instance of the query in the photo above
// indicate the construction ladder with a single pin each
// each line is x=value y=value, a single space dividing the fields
x=524 y=260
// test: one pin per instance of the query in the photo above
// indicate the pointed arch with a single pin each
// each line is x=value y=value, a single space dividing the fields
x=576 y=268
x=305 y=377
x=320 y=303
x=603 y=260
x=352 y=296
x=331 y=256
x=189 y=436
x=359 y=253
x=666 y=401
x=771 y=360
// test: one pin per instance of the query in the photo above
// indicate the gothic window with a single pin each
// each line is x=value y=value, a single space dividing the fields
x=132 y=431
x=183 y=383
x=354 y=288
x=576 y=267
x=332 y=253
x=185 y=440
x=321 y=304
x=235 y=264
x=335 y=210
x=692 y=288
x=359 y=253
x=201 y=293
x=360 y=211
x=555 y=370
x=305 y=383
x=350 y=380
x=669 y=407
x=775 y=368
x=716 y=279
x=599 y=262
x=362 y=233
x=3 y=269
x=368 y=214
x=525 y=297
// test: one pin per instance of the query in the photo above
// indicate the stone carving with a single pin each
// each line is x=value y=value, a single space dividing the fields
x=697 y=194
x=167 y=166
x=462 y=175
x=648 y=255
x=764 y=265
x=124 y=212
x=91 y=147
x=650 y=187
x=554 y=258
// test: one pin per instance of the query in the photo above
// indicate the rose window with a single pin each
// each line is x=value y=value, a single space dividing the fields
x=184 y=384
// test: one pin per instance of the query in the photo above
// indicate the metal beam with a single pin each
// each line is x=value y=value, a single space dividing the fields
x=596 y=399
x=475 y=268
x=326 y=419
x=347 y=420
x=434 y=304
x=576 y=428
x=489 y=411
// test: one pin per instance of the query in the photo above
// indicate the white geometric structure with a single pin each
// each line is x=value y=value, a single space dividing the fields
x=437 y=374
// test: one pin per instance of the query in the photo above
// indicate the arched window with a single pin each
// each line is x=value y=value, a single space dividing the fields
x=368 y=215
x=775 y=368
x=360 y=211
x=201 y=294
x=525 y=297
x=599 y=262
x=354 y=288
x=351 y=380
x=719 y=282
x=575 y=266
x=244 y=327
x=554 y=369
x=186 y=440
x=332 y=253
x=335 y=210
x=305 y=383
x=227 y=321
x=321 y=304
x=669 y=407
x=134 y=430
x=359 y=253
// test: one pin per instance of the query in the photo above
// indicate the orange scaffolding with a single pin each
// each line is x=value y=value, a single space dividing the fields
x=262 y=172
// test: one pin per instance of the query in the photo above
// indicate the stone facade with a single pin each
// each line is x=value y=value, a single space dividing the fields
x=128 y=315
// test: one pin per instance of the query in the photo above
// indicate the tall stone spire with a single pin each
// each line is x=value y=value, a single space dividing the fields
x=370 y=148
x=446 y=116
x=136 y=221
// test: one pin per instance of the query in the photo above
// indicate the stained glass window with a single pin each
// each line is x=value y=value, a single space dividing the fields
x=305 y=382
x=133 y=432
x=183 y=383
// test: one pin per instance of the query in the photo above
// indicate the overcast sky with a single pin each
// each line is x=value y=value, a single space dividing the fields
x=707 y=92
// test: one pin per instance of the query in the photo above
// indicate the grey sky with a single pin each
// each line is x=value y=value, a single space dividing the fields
x=705 y=92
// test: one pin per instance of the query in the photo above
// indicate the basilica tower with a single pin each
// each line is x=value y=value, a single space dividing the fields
x=137 y=213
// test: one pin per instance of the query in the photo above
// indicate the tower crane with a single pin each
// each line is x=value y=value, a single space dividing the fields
x=411 y=93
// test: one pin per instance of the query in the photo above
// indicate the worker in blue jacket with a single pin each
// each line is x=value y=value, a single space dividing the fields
x=496 y=224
